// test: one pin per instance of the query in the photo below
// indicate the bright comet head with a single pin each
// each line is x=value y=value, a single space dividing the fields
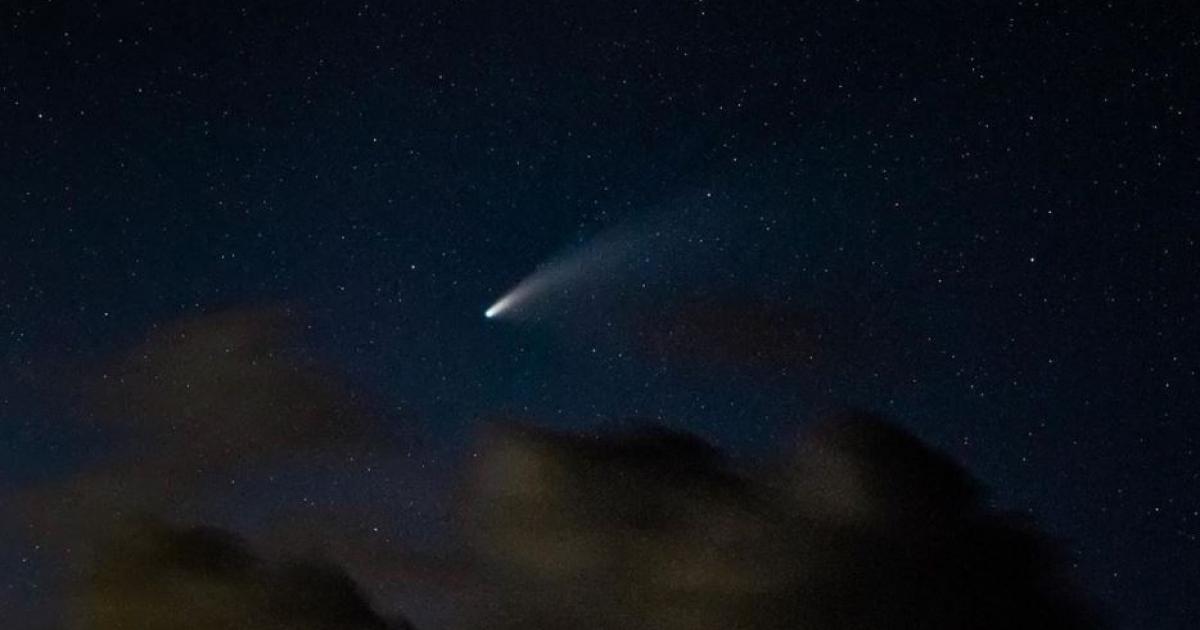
x=499 y=307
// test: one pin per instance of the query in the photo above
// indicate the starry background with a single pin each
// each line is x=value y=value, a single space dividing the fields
x=987 y=210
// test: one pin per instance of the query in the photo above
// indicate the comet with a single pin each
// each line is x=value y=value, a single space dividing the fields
x=581 y=268
x=501 y=305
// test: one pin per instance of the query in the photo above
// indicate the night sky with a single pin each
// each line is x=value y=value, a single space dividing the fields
x=977 y=219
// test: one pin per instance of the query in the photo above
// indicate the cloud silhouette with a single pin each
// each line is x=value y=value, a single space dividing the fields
x=805 y=344
x=736 y=332
x=214 y=396
x=153 y=576
x=864 y=528
x=229 y=385
x=193 y=419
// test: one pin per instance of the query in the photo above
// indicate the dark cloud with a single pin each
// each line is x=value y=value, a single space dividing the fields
x=217 y=396
x=231 y=385
x=865 y=528
x=195 y=419
x=804 y=343
x=735 y=332
x=862 y=526
x=152 y=576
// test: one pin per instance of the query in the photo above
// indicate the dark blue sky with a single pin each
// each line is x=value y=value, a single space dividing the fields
x=986 y=211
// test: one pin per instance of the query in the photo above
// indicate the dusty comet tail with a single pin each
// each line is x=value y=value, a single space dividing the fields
x=498 y=307
x=585 y=266
x=518 y=294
